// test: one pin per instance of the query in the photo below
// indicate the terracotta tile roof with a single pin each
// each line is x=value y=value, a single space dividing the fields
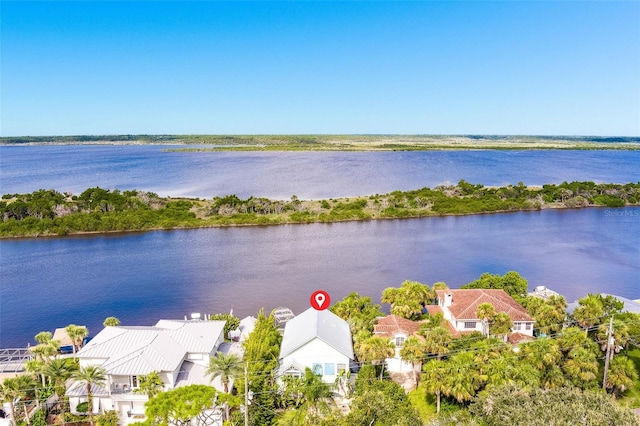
x=516 y=338
x=434 y=309
x=390 y=325
x=465 y=303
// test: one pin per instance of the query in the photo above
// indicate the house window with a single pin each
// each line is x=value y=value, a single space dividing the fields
x=341 y=368
x=329 y=369
x=134 y=381
x=527 y=326
x=399 y=341
x=469 y=324
x=517 y=326
x=317 y=369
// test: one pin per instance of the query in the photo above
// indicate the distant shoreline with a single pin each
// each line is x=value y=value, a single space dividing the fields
x=99 y=211
x=339 y=142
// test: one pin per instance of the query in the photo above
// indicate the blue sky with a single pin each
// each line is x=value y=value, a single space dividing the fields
x=421 y=67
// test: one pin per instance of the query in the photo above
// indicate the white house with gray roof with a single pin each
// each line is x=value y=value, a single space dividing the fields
x=319 y=340
x=178 y=350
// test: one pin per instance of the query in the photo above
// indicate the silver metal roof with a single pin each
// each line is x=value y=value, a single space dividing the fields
x=312 y=324
x=141 y=350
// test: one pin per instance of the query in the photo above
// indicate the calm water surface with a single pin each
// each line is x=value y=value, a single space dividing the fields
x=309 y=175
x=48 y=283
x=143 y=277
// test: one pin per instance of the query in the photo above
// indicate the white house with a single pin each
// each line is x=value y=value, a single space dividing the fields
x=319 y=340
x=397 y=329
x=178 y=350
x=459 y=307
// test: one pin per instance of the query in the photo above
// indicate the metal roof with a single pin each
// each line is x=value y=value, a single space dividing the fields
x=141 y=350
x=312 y=324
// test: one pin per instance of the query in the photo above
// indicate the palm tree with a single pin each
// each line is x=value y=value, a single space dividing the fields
x=228 y=367
x=620 y=336
x=315 y=394
x=376 y=350
x=90 y=375
x=76 y=333
x=59 y=371
x=435 y=372
x=413 y=352
x=436 y=340
x=542 y=353
x=13 y=388
x=408 y=300
x=461 y=381
x=111 y=322
x=589 y=312
x=622 y=375
x=486 y=312
x=501 y=325
x=581 y=367
x=150 y=385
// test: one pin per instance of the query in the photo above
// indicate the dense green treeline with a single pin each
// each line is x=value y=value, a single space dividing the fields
x=48 y=212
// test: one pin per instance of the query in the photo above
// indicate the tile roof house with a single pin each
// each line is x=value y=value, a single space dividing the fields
x=459 y=308
x=178 y=350
x=397 y=329
x=319 y=340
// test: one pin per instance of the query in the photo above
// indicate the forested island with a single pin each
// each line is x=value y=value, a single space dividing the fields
x=342 y=142
x=98 y=210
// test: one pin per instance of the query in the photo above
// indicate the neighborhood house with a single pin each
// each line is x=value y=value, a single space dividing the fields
x=319 y=340
x=178 y=350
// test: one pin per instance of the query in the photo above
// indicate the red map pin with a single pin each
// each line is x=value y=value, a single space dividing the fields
x=320 y=300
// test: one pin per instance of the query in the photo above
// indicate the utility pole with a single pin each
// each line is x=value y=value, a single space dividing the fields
x=246 y=395
x=608 y=353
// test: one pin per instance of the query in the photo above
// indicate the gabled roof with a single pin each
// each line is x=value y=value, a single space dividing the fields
x=141 y=350
x=465 y=303
x=314 y=324
x=391 y=325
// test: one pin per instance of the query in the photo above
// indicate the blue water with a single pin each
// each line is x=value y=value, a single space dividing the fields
x=141 y=277
x=309 y=175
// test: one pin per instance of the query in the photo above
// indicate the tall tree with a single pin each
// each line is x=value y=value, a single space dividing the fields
x=511 y=282
x=376 y=350
x=59 y=371
x=501 y=325
x=150 y=384
x=180 y=406
x=413 y=352
x=77 y=334
x=13 y=388
x=620 y=336
x=581 y=368
x=90 y=375
x=111 y=322
x=590 y=311
x=622 y=375
x=261 y=352
x=436 y=340
x=434 y=374
x=228 y=367
x=409 y=300
x=486 y=312
x=359 y=311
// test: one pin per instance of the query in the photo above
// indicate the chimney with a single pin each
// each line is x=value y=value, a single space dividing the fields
x=448 y=299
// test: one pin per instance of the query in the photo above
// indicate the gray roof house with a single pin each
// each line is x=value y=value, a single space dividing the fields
x=319 y=340
x=178 y=350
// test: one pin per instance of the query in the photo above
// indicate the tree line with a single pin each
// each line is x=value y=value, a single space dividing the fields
x=49 y=212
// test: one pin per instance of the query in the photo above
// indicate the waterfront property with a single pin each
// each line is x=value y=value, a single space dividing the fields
x=459 y=307
x=319 y=340
x=179 y=351
x=397 y=329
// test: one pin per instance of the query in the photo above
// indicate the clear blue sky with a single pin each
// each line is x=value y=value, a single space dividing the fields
x=421 y=67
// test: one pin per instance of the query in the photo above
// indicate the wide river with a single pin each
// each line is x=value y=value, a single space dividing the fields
x=142 y=277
